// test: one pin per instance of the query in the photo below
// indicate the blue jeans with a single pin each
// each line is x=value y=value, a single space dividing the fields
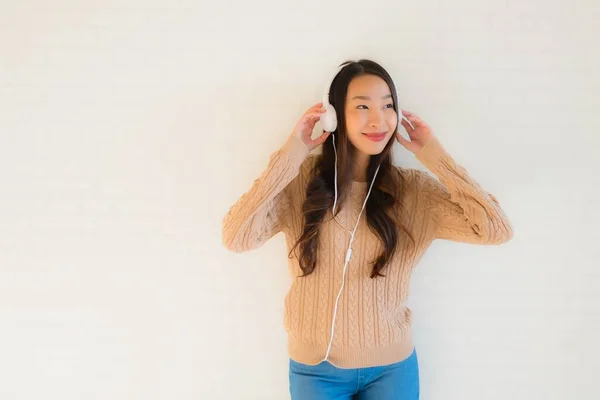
x=398 y=381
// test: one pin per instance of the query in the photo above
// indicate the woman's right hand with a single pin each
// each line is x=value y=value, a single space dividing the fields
x=305 y=126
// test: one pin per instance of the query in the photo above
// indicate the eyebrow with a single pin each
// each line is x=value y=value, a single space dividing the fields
x=368 y=98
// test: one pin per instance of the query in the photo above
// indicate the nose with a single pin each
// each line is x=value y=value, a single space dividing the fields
x=376 y=118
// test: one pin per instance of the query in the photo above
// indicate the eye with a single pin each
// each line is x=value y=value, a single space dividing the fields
x=362 y=105
x=389 y=105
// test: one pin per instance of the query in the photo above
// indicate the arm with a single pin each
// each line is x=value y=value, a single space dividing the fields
x=261 y=212
x=459 y=209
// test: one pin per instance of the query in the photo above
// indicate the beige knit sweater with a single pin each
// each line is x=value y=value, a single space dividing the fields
x=373 y=325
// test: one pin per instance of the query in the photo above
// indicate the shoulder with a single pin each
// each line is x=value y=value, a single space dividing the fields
x=415 y=178
x=414 y=186
x=420 y=187
x=408 y=179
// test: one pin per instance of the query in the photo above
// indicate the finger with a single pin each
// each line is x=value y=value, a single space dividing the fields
x=407 y=125
x=317 y=111
x=321 y=139
x=309 y=121
x=312 y=115
x=410 y=115
x=316 y=106
x=402 y=140
x=412 y=118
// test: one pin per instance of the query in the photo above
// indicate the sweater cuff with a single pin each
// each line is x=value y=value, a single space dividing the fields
x=296 y=150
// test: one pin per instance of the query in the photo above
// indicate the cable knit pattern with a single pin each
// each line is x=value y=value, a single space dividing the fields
x=372 y=325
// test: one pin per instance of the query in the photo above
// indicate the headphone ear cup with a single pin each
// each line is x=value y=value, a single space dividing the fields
x=400 y=118
x=329 y=118
x=399 y=121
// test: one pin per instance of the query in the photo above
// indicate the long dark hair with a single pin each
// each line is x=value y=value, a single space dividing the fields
x=387 y=189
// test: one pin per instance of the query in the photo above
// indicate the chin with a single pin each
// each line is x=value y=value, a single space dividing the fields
x=371 y=151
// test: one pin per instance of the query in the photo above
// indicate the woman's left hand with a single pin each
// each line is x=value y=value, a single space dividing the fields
x=419 y=136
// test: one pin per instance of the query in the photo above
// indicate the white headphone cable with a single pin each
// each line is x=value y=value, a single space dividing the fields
x=349 y=251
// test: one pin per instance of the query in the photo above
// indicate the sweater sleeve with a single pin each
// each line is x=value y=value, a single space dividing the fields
x=458 y=208
x=260 y=213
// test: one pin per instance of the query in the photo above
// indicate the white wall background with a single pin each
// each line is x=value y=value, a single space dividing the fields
x=128 y=128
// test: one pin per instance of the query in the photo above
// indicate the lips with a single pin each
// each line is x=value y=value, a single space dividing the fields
x=376 y=137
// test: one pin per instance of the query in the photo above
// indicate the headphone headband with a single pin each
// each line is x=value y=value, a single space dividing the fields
x=328 y=87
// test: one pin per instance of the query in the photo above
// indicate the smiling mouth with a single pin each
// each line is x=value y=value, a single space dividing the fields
x=377 y=136
x=374 y=133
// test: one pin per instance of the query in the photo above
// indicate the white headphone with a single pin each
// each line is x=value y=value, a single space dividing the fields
x=329 y=124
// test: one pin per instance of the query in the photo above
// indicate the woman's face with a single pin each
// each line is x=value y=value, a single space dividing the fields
x=370 y=116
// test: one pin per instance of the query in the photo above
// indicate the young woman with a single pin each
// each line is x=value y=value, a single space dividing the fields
x=349 y=331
